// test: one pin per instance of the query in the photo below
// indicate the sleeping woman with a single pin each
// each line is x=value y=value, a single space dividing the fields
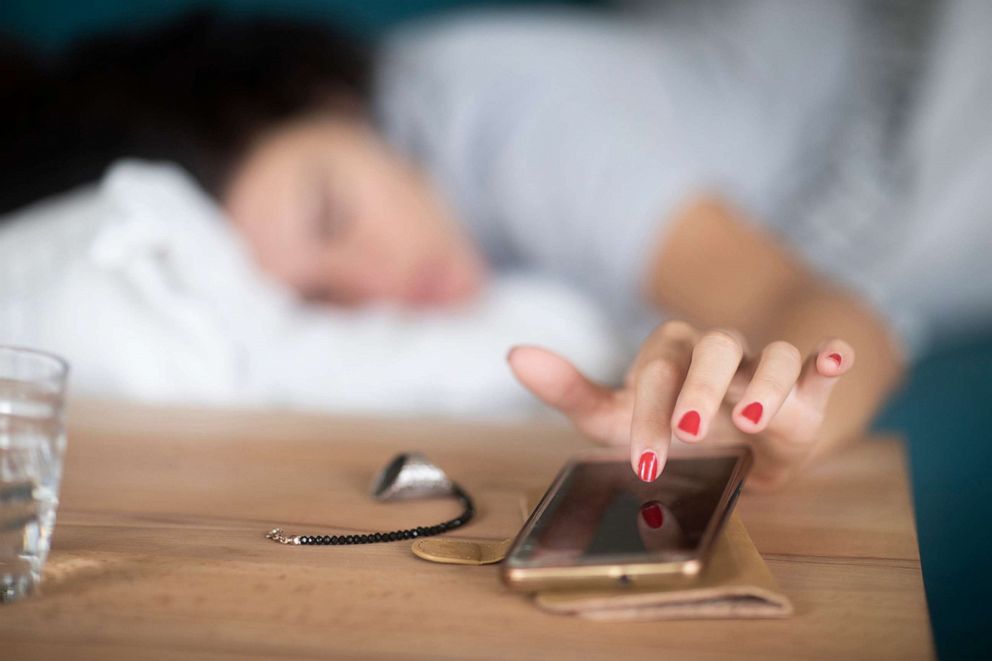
x=691 y=167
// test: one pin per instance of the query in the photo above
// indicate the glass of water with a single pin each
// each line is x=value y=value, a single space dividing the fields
x=32 y=443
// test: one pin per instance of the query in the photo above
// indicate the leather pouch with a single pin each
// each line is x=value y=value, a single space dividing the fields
x=735 y=583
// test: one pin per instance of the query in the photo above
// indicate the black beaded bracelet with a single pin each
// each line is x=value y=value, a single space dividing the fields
x=277 y=534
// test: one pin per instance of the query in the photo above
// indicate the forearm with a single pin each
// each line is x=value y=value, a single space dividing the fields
x=714 y=269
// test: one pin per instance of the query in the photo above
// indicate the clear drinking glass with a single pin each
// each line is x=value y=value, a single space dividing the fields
x=32 y=444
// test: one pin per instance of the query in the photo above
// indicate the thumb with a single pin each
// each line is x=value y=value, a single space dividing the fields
x=559 y=384
x=555 y=380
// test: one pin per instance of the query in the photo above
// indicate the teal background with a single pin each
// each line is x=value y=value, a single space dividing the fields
x=944 y=410
x=52 y=23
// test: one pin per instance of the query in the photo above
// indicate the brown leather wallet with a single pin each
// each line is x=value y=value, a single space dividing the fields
x=735 y=583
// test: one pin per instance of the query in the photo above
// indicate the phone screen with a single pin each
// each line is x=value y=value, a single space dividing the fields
x=603 y=513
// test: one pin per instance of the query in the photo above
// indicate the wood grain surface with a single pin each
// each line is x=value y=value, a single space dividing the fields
x=159 y=549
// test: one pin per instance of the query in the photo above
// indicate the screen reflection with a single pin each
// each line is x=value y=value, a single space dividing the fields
x=603 y=511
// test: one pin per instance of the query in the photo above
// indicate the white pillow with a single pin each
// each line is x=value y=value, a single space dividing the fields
x=151 y=295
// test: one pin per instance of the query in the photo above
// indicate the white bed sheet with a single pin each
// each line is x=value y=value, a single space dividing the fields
x=151 y=295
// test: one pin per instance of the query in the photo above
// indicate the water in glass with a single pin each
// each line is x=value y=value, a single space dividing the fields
x=32 y=444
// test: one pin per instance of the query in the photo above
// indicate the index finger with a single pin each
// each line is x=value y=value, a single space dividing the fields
x=656 y=389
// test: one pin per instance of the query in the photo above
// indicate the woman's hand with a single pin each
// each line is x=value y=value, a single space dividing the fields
x=692 y=386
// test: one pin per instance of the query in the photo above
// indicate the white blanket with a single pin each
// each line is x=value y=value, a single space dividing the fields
x=151 y=295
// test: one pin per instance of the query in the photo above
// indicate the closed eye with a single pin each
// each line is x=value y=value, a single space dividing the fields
x=325 y=296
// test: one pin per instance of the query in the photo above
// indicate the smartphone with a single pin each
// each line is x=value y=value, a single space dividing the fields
x=598 y=525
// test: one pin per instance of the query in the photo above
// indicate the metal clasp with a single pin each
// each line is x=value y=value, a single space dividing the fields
x=276 y=535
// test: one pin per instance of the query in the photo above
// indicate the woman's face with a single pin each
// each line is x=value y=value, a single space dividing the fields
x=329 y=209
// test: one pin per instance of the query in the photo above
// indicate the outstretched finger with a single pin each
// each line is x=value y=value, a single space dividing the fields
x=559 y=384
x=822 y=370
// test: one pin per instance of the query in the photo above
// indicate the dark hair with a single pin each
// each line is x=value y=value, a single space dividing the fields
x=196 y=91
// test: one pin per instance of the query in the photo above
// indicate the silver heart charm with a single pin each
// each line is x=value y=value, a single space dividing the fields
x=410 y=475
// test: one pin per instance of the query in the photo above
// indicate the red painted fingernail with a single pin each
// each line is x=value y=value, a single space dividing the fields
x=753 y=411
x=652 y=514
x=690 y=423
x=647 y=467
x=835 y=357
